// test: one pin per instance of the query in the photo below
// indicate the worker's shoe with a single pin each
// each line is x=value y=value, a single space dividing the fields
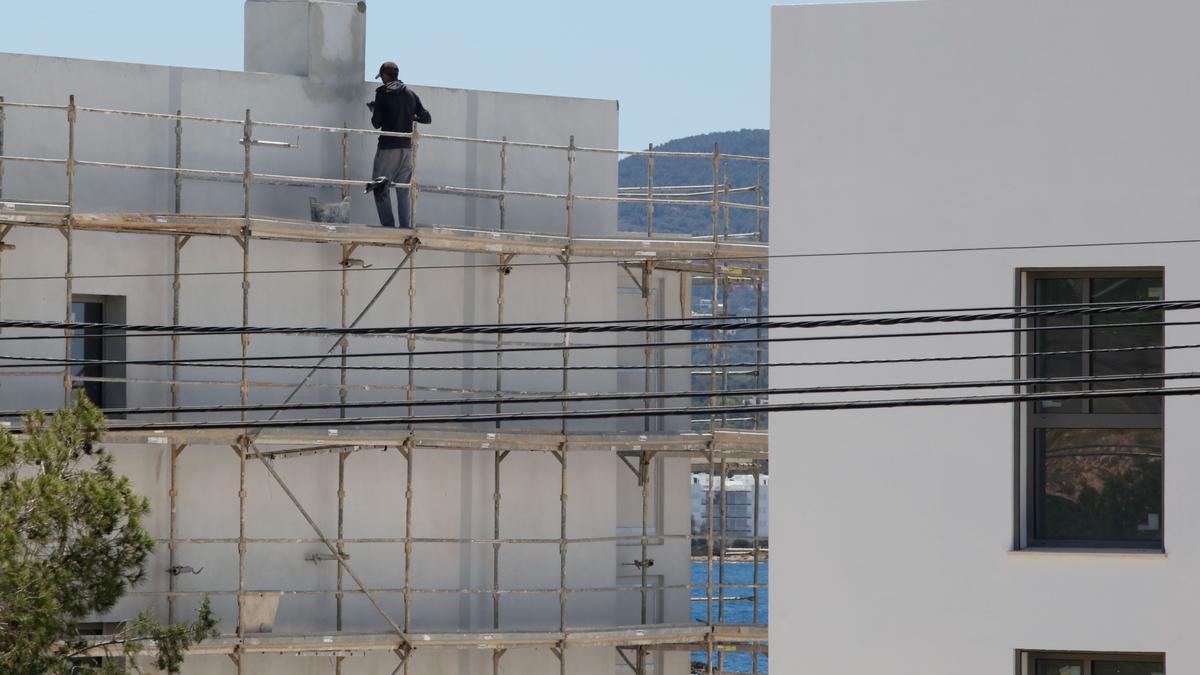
x=377 y=185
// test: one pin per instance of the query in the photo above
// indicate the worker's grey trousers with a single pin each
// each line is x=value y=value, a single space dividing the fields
x=395 y=164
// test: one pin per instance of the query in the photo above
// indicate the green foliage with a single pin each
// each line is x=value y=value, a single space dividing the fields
x=72 y=542
x=696 y=220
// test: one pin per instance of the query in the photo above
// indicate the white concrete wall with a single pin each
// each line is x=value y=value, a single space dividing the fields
x=935 y=124
x=452 y=489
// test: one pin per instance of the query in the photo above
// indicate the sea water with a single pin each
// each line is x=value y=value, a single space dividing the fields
x=736 y=611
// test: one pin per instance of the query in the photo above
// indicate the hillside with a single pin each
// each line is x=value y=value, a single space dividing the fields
x=696 y=220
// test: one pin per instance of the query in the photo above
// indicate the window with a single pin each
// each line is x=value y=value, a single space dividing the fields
x=92 y=344
x=1094 y=664
x=1094 y=467
x=90 y=664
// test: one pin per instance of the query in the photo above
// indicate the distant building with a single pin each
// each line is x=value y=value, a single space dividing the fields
x=739 y=506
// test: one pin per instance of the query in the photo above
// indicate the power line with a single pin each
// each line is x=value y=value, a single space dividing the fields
x=641 y=326
x=234 y=362
x=656 y=345
x=657 y=412
x=624 y=396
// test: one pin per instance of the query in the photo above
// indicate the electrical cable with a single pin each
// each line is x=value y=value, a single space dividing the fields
x=229 y=362
x=574 y=328
x=624 y=396
x=654 y=412
x=667 y=343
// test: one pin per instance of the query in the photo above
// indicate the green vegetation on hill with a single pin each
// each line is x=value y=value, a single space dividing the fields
x=697 y=220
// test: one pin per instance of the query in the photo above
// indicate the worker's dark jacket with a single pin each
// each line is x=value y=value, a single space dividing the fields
x=396 y=108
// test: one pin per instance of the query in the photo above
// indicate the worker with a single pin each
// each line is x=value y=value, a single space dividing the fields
x=395 y=108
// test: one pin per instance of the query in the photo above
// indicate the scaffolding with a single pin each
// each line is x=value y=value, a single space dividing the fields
x=720 y=260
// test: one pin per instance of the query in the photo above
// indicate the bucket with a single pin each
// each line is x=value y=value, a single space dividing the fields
x=329 y=212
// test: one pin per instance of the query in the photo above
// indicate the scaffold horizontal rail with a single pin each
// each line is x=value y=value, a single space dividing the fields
x=348 y=643
x=298 y=442
x=431 y=237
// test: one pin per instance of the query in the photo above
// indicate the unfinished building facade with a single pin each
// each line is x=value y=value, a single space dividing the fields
x=352 y=538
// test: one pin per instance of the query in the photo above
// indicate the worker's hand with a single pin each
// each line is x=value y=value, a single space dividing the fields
x=371 y=106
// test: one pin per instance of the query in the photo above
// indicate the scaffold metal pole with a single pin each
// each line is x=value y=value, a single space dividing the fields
x=69 y=233
x=648 y=351
x=566 y=361
x=757 y=551
x=241 y=448
x=721 y=559
x=650 y=191
x=341 y=540
x=708 y=577
x=173 y=530
x=503 y=201
x=562 y=558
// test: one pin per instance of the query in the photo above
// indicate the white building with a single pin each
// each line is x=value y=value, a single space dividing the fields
x=990 y=538
x=737 y=504
x=474 y=554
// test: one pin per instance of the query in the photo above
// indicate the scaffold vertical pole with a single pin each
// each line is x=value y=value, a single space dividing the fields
x=502 y=272
x=712 y=349
x=644 y=483
x=499 y=457
x=648 y=350
x=411 y=339
x=566 y=261
x=721 y=559
x=708 y=577
x=756 y=542
x=176 y=246
x=726 y=208
x=345 y=163
x=341 y=548
x=413 y=192
x=244 y=443
x=566 y=362
x=344 y=341
x=176 y=252
x=650 y=192
x=724 y=348
x=644 y=567
x=408 y=451
x=562 y=558
x=247 y=180
x=341 y=538
x=759 y=197
x=242 y=448
x=173 y=543
x=503 y=182
x=69 y=233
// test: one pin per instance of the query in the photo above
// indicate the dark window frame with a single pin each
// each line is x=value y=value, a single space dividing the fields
x=1033 y=421
x=1089 y=659
x=110 y=347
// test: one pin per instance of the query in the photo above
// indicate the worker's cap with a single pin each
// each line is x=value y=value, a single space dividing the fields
x=388 y=68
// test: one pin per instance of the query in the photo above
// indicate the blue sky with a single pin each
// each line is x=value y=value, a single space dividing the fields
x=678 y=68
